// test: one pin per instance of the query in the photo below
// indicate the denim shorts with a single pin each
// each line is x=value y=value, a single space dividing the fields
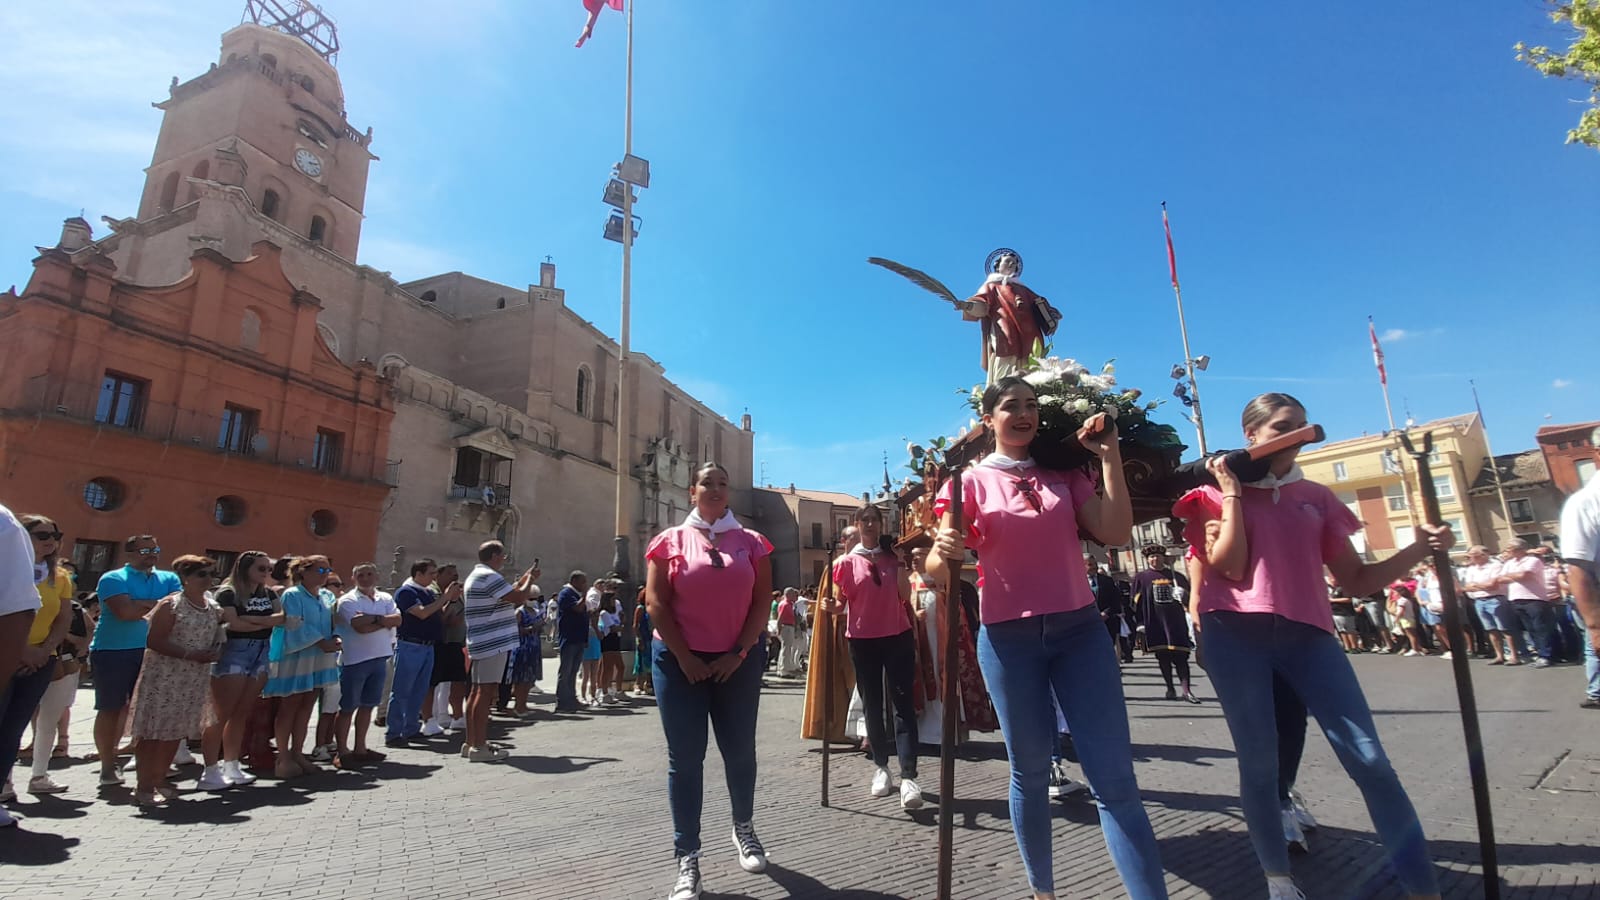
x=361 y=684
x=242 y=656
x=1492 y=612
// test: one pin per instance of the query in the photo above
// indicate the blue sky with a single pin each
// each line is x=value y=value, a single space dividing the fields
x=1320 y=166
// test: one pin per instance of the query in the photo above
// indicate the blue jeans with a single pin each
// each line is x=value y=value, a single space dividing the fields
x=730 y=708
x=413 y=674
x=17 y=703
x=1243 y=652
x=1591 y=665
x=571 y=653
x=1535 y=619
x=1068 y=652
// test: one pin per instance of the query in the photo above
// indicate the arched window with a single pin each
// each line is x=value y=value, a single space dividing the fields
x=429 y=297
x=500 y=304
x=202 y=170
x=319 y=229
x=169 y=193
x=269 y=203
x=582 y=403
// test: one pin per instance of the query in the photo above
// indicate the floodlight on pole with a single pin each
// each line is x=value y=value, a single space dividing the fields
x=634 y=170
x=1201 y=361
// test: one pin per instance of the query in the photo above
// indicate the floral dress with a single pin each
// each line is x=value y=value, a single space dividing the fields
x=170 y=697
x=527 y=658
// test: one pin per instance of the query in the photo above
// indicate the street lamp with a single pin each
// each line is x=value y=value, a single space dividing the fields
x=1188 y=392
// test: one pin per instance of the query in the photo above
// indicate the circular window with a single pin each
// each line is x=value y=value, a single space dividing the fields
x=323 y=522
x=229 y=510
x=103 y=494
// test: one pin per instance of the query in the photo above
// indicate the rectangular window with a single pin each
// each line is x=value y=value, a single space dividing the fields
x=469 y=467
x=224 y=560
x=1339 y=472
x=327 y=452
x=238 y=429
x=122 y=399
x=816 y=534
x=1521 y=509
x=93 y=559
x=1443 y=487
x=1396 y=495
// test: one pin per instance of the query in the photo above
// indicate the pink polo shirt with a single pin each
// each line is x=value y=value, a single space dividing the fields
x=710 y=604
x=872 y=610
x=1030 y=560
x=1527 y=578
x=1289 y=540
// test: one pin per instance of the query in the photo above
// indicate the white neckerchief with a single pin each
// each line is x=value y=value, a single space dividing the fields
x=861 y=550
x=1001 y=461
x=1273 y=482
x=997 y=277
x=41 y=571
x=725 y=524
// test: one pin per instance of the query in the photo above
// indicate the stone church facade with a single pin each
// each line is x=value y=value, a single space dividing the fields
x=504 y=399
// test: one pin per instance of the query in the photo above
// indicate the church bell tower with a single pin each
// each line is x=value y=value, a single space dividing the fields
x=268 y=118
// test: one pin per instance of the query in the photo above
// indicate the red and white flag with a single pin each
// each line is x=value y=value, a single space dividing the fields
x=593 y=7
x=1377 y=353
x=1172 y=257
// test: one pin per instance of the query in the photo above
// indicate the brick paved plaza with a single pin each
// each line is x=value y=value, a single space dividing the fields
x=580 y=811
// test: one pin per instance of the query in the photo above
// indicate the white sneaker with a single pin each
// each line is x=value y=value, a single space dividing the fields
x=1281 y=887
x=1293 y=834
x=458 y=725
x=183 y=757
x=1447 y=655
x=1301 y=813
x=880 y=783
x=432 y=728
x=235 y=773
x=752 y=856
x=1407 y=653
x=910 y=794
x=322 y=755
x=212 y=779
x=687 y=887
x=42 y=784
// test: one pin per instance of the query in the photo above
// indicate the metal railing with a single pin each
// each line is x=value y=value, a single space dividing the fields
x=81 y=403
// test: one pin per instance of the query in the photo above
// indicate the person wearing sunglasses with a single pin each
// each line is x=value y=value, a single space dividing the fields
x=127 y=595
x=170 y=699
x=1040 y=626
x=249 y=613
x=875 y=592
x=37 y=665
x=708 y=584
x=304 y=660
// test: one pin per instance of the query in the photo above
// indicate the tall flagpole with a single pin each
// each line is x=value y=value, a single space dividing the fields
x=1183 y=328
x=1505 y=507
x=1394 y=433
x=623 y=556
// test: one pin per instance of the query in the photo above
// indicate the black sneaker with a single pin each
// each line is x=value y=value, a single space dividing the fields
x=687 y=887
x=752 y=857
x=1590 y=703
x=1172 y=694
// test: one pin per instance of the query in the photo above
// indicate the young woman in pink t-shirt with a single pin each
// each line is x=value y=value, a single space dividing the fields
x=1041 y=628
x=1263 y=611
x=706 y=587
x=875 y=591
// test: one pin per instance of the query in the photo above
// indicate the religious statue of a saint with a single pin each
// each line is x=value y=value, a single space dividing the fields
x=1015 y=319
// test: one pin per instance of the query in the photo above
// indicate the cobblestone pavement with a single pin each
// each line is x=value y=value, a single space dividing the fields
x=580 y=811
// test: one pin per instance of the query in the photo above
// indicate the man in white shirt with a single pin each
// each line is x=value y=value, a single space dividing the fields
x=1580 y=548
x=1480 y=579
x=365 y=620
x=1522 y=575
x=19 y=597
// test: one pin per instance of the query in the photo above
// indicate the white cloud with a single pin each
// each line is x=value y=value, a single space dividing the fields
x=1560 y=383
x=1395 y=334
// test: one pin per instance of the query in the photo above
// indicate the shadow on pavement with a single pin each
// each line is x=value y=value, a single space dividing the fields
x=557 y=765
x=26 y=847
x=1180 y=753
x=800 y=886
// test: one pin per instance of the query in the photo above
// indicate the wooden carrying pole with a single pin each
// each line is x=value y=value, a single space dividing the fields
x=825 y=608
x=1459 y=664
x=949 y=628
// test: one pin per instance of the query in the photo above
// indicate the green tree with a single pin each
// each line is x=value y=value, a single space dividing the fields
x=1580 y=61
